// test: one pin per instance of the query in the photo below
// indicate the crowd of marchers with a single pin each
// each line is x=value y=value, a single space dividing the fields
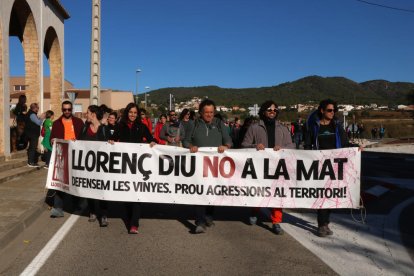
x=321 y=130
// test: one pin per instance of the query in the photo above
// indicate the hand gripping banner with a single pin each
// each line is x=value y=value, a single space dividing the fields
x=242 y=177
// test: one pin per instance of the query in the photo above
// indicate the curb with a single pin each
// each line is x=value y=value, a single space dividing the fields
x=21 y=171
x=24 y=221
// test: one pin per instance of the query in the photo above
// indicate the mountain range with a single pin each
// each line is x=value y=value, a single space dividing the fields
x=311 y=89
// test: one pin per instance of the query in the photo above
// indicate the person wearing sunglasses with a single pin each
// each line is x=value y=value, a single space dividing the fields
x=268 y=133
x=67 y=127
x=173 y=132
x=324 y=131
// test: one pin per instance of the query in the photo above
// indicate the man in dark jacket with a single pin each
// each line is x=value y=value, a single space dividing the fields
x=207 y=131
x=66 y=127
x=32 y=132
x=324 y=131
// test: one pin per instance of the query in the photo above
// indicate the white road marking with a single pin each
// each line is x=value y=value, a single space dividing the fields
x=45 y=253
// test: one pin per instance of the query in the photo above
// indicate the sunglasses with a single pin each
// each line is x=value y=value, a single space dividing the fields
x=66 y=109
x=173 y=115
x=330 y=110
x=272 y=110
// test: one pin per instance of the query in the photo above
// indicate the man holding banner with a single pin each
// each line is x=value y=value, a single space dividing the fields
x=67 y=127
x=207 y=131
x=268 y=133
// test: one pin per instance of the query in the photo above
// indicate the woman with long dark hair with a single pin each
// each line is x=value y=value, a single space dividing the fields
x=132 y=130
x=93 y=130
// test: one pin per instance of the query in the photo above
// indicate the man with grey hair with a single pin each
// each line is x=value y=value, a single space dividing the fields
x=32 y=131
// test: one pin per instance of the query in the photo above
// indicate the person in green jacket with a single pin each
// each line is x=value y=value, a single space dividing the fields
x=47 y=125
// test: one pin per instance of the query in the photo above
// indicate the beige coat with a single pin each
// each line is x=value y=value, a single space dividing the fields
x=257 y=134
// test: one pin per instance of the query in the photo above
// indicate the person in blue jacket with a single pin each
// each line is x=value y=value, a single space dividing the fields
x=324 y=131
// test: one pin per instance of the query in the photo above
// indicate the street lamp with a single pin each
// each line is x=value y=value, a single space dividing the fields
x=136 y=88
x=145 y=103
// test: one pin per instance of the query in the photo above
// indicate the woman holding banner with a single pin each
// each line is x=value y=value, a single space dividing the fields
x=132 y=130
x=324 y=131
x=93 y=130
x=268 y=133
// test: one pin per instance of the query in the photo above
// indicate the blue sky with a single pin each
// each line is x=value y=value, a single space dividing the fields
x=236 y=43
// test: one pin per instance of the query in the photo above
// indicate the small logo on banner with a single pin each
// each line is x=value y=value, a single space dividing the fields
x=60 y=167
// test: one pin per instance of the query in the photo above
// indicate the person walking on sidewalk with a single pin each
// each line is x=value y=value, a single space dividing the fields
x=67 y=127
x=47 y=129
x=207 y=131
x=268 y=133
x=132 y=130
x=93 y=130
x=324 y=132
x=32 y=132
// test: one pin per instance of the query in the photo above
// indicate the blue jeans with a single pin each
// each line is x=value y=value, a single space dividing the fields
x=298 y=139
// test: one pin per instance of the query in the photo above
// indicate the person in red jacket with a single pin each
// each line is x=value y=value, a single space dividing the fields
x=66 y=127
x=145 y=120
x=160 y=124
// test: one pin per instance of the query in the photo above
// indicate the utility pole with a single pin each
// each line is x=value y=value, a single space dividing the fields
x=95 y=53
x=171 y=101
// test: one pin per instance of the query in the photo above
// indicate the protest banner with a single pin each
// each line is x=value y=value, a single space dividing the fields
x=243 y=177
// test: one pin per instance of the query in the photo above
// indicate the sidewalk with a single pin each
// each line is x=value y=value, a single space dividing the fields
x=21 y=202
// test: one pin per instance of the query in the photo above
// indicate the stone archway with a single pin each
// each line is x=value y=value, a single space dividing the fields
x=53 y=52
x=22 y=25
x=30 y=21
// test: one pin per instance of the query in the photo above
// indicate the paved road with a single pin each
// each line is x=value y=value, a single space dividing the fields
x=165 y=246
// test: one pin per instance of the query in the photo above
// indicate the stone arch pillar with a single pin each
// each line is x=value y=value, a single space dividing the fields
x=31 y=60
x=2 y=103
x=53 y=53
x=23 y=25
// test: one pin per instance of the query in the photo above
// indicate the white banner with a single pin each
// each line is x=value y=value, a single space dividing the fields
x=244 y=177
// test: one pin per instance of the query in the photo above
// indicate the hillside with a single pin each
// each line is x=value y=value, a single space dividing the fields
x=308 y=89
